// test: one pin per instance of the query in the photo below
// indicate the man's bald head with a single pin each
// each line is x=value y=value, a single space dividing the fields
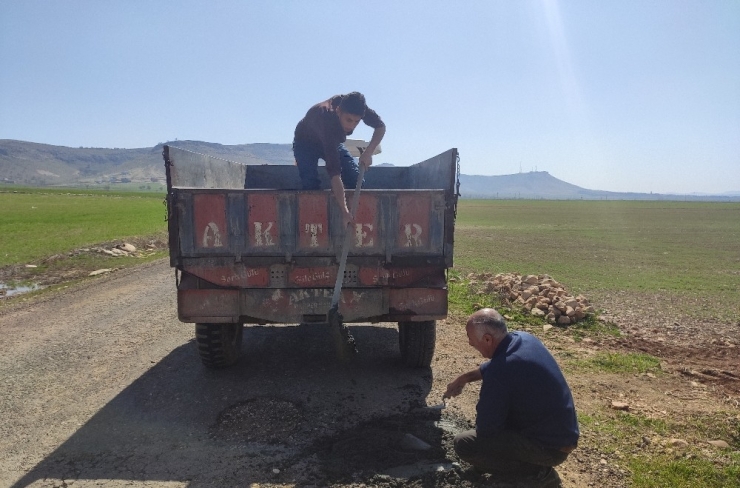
x=488 y=321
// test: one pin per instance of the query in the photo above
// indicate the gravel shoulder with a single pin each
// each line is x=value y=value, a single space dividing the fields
x=102 y=387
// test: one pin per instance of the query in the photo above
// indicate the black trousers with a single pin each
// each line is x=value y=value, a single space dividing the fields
x=307 y=159
x=507 y=452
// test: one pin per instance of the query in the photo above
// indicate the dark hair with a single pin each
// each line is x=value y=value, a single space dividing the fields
x=353 y=103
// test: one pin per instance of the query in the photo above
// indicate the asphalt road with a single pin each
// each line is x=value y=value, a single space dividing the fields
x=101 y=386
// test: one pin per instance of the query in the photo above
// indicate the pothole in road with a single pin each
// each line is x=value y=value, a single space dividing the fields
x=402 y=446
x=264 y=420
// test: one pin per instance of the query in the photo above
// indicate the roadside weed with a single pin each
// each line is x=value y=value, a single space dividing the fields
x=616 y=362
x=662 y=471
x=592 y=326
x=644 y=447
x=465 y=301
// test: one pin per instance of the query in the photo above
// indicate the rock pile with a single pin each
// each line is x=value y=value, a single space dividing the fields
x=539 y=295
x=118 y=250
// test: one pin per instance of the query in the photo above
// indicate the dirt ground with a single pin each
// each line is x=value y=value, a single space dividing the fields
x=101 y=386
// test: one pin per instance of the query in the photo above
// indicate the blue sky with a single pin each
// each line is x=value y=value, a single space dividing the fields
x=621 y=95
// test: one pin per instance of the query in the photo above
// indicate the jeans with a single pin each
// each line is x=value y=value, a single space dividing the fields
x=307 y=159
x=507 y=452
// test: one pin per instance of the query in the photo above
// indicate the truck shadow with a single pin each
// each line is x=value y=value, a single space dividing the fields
x=288 y=412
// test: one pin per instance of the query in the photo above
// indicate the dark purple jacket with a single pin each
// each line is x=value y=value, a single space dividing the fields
x=323 y=132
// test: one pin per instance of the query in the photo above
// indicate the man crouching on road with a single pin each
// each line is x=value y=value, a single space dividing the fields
x=321 y=135
x=526 y=421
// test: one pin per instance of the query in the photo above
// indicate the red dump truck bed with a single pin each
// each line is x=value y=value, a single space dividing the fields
x=250 y=248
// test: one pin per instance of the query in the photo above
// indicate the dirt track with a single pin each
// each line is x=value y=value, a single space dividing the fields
x=101 y=386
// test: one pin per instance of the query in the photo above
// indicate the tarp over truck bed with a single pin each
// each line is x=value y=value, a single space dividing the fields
x=252 y=247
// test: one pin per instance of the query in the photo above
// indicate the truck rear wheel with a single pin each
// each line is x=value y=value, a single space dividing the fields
x=219 y=345
x=416 y=341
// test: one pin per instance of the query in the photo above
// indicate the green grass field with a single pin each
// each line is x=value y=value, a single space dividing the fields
x=677 y=247
x=680 y=247
x=38 y=223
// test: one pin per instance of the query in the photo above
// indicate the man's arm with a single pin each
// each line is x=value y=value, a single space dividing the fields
x=366 y=158
x=337 y=187
x=457 y=385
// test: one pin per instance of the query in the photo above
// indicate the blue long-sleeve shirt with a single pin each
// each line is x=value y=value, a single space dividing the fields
x=523 y=390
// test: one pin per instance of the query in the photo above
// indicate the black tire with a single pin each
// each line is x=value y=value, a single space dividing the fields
x=416 y=341
x=219 y=345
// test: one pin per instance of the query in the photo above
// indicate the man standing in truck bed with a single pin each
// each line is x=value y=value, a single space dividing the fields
x=321 y=135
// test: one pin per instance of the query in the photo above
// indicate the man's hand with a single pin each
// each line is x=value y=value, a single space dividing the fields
x=366 y=159
x=347 y=218
x=455 y=387
x=337 y=188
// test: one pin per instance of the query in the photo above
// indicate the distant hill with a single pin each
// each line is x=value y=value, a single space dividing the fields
x=536 y=184
x=542 y=185
x=32 y=164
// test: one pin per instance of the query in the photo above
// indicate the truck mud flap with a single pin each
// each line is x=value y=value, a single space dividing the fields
x=211 y=306
x=418 y=303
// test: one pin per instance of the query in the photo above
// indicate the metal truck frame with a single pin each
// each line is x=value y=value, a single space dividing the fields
x=248 y=248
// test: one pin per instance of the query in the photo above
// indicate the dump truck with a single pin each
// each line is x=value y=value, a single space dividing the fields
x=250 y=247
